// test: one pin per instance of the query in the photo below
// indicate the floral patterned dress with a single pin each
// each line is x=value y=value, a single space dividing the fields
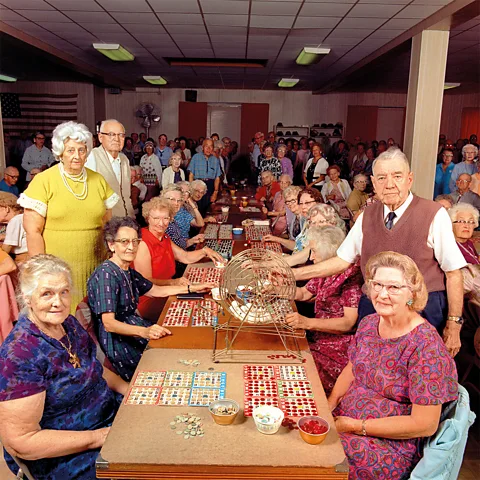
x=273 y=164
x=332 y=295
x=390 y=376
x=75 y=398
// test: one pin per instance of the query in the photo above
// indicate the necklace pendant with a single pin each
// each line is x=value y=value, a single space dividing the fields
x=74 y=360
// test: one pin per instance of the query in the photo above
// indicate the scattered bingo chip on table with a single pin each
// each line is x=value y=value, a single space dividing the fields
x=174 y=396
x=178 y=379
x=149 y=379
x=143 y=396
x=205 y=313
x=178 y=313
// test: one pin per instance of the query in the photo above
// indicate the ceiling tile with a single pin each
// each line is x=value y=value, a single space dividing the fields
x=103 y=27
x=67 y=5
x=349 y=33
x=180 y=19
x=418 y=11
x=153 y=39
x=224 y=30
x=370 y=23
x=340 y=41
x=315 y=34
x=386 y=33
x=198 y=52
x=221 y=6
x=465 y=26
x=134 y=17
x=28 y=27
x=135 y=28
x=270 y=8
x=331 y=1
x=58 y=27
x=316 y=22
x=325 y=9
x=271 y=21
x=11 y=16
x=262 y=32
x=174 y=6
x=90 y=17
x=125 y=5
x=228 y=40
x=43 y=16
x=399 y=2
x=431 y=2
x=376 y=11
x=27 y=4
x=275 y=40
x=192 y=29
x=470 y=35
x=401 y=23
x=234 y=20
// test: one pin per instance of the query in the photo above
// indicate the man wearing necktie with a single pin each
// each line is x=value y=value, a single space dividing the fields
x=413 y=226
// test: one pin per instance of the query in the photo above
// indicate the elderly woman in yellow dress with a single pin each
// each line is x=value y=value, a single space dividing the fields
x=66 y=207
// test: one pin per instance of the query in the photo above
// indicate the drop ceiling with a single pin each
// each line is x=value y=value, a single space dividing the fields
x=242 y=29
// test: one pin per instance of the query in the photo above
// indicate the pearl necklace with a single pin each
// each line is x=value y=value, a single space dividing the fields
x=80 y=178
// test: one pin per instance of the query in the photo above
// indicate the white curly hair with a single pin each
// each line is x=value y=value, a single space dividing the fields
x=70 y=131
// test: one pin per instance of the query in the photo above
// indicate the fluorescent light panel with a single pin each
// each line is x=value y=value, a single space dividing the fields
x=7 y=78
x=288 y=82
x=310 y=55
x=114 y=51
x=449 y=85
x=155 y=80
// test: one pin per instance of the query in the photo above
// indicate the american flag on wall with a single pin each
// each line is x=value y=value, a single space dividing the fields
x=36 y=111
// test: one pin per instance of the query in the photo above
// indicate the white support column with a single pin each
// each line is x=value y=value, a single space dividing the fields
x=424 y=106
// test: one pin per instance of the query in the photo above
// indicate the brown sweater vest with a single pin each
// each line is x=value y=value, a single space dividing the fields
x=408 y=236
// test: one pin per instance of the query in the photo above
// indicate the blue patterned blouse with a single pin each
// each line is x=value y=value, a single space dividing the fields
x=175 y=234
x=184 y=218
x=76 y=398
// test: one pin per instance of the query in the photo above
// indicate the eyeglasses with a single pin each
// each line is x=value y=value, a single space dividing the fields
x=39 y=138
x=291 y=202
x=112 y=135
x=12 y=176
x=465 y=222
x=307 y=203
x=158 y=219
x=361 y=182
x=463 y=181
x=392 y=289
x=175 y=200
x=125 y=242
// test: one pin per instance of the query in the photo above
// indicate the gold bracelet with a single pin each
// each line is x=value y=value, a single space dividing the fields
x=364 y=427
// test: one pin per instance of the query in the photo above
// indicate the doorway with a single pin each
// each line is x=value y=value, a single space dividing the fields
x=224 y=119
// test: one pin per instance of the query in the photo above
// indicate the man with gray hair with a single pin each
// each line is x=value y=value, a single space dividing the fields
x=463 y=193
x=412 y=226
x=10 y=178
x=259 y=137
x=108 y=160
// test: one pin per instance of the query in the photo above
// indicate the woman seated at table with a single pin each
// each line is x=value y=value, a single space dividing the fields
x=188 y=216
x=465 y=219
x=290 y=197
x=336 y=307
x=336 y=191
x=307 y=198
x=173 y=173
x=319 y=215
x=114 y=290
x=390 y=394
x=177 y=228
x=157 y=254
x=56 y=401
x=277 y=215
x=11 y=213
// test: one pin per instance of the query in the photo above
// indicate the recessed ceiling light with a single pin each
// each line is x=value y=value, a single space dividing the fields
x=155 y=79
x=309 y=55
x=114 y=51
x=449 y=85
x=288 y=82
x=7 y=78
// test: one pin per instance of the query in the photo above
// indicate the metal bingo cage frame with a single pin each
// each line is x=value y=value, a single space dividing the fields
x=256 y=292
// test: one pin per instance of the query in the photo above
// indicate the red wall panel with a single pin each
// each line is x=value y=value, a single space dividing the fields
x=192 y=119
x=254 y=119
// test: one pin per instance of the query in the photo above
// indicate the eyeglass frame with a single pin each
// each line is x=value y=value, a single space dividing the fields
x=465 y=222
x=125 y=242
x=381 y=286
x=112 y=135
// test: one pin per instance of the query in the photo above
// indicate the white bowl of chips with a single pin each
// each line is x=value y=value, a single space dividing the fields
x=267 y=419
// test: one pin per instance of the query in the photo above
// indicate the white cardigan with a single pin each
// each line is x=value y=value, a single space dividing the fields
x=169 y=175
x=155 y=161
x=343 y=186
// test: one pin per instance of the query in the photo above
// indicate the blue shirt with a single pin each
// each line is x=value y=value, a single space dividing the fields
x=442 y=179
x=4 y=187
x=164 y=155
x=203 y=168
x=183 y=218
x=462 y=167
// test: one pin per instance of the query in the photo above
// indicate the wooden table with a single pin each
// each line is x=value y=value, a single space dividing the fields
x=141 y=445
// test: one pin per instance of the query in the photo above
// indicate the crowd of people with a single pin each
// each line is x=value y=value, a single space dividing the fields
x=382 y=277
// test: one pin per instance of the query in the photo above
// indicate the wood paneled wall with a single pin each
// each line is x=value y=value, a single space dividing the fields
x=294 y=108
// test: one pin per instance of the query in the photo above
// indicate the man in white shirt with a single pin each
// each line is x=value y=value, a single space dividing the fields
x=37 y=155
x=108 y=160
x=162 y=151
x=433 y=248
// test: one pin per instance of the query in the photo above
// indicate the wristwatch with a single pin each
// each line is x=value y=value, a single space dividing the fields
x=457 y=320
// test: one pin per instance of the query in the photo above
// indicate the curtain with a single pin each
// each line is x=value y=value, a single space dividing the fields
x=470 y=122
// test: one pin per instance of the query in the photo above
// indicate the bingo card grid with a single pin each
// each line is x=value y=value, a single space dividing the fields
x=178 y=313
x=205 y=313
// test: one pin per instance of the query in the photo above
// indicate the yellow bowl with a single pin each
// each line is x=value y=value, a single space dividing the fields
x=311 y=438
x=223 y=419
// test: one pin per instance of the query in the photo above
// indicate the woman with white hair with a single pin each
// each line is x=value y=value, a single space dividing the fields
x=464 y=220
x=66 y=207
x=173 y=173
x=469 y=153
x=285 y=162
x=336 y=307
x=278 y=214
